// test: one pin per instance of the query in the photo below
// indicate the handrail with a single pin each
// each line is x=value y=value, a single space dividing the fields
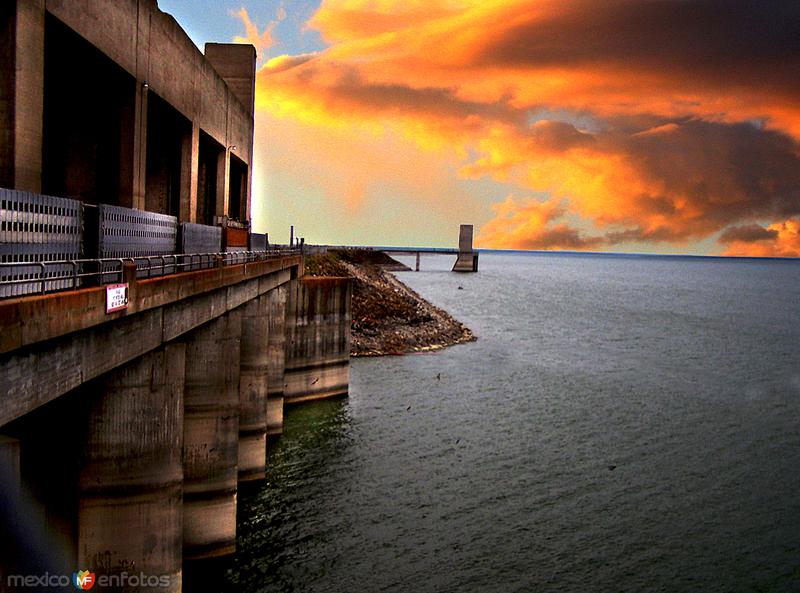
x=110 y=270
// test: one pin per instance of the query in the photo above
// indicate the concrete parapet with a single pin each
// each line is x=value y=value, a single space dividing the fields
x=317 y=339
x=276 y=343
x=253 y=383
x=58 y=352
x=211 y=438
x=129 y=511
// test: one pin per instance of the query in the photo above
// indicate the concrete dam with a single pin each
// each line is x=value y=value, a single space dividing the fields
x=150 y=337
x=126 y=434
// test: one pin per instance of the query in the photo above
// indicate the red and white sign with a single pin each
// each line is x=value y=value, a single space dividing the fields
x=116 y=297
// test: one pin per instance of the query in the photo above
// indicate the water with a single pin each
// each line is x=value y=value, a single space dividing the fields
x=487 y=466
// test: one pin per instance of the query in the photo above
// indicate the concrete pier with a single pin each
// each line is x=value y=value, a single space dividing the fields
x=318 y=339
x=10 y=479
x=467 y=257
x=9 y=465
x=211 y=437
x=276 y=347
x=253 y=385
x=130 y=486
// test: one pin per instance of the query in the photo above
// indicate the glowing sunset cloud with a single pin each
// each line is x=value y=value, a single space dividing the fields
x=622 y=124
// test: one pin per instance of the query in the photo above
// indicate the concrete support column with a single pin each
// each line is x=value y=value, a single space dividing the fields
x=223 y=170
x=136 y=198
x=129 y=512
x=317 y=339
x=133 y=149
x=253 y=386
x=8 y=18
x=190 y=164
x=9 y=465
x=276 y=342
x=9 y=504
x=28 y=95
x=211 y=437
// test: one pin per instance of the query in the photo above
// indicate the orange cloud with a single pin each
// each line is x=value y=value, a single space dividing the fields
x=262 y=40
x=529 y=224
x=662 y=122
x=778 y=240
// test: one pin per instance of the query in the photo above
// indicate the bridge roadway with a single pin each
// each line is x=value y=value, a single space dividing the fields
x=124 y=434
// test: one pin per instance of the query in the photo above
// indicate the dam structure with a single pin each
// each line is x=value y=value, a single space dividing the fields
x=149 y=338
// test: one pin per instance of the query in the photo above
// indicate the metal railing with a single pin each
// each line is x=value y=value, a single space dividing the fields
x=52 y=276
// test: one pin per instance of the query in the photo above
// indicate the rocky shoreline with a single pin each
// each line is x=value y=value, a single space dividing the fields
x=388 y=317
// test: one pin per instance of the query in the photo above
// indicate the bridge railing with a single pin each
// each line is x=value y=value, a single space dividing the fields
x=26 y=278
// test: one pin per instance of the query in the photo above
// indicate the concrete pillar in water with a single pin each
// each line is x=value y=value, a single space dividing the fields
x=129 y=512
x=211 y=437
x=9 y=465
x=9 y=504
x=276 y=359
x=467 y=258
x=417 y=268
x=253 y=385
x=318 y=339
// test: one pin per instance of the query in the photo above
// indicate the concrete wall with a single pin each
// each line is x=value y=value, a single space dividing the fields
x=317 y=339
x=7 y=77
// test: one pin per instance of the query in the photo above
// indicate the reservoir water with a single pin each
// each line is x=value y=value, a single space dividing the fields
x=621 y=424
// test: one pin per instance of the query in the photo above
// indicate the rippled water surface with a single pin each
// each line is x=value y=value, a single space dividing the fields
x=621 y=424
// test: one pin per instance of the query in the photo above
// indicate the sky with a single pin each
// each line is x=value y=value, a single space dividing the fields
x=655 y=126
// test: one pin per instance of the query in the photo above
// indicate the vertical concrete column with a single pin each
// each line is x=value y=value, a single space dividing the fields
x=133 y=149
x=211 y=437
x=223 y=171
x=28 y=95
x=129 y=512
x=8 y=17
x=9 y=465
x=9 y=504
x=190 y=165
x=139 y=150
x=276 y=341
x=253 y=386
